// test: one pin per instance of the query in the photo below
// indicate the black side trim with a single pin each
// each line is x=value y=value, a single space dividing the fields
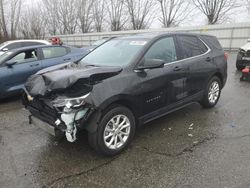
x=171 y=108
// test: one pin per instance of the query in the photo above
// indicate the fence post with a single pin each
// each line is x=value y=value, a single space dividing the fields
x=231 y=38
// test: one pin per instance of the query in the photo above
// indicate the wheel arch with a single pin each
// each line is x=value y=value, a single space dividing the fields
x=95 y=118
x=123 y=101
x=213 y=74
x=219 y=75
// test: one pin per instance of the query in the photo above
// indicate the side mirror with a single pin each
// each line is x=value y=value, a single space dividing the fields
x=5 y=49
x=10 y=63
x=151 y=64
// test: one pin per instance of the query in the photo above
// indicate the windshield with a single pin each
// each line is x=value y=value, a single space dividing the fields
x=116 y=52
x=99 y=42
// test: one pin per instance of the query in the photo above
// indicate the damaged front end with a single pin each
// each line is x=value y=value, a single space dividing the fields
x=57 y=96
x=65 y=115
x=71 y=111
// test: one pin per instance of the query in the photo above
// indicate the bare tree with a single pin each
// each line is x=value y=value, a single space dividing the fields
x=85 y=14
x=32 y=24
x=50 y=12
x=15 y=7
x=61 y=16
x=3 y=20
x=173 y=12
x=215 y=10
x=67 y=16
x=139 y=12
x=248 y=6
x=99 y=14
x=117 y=15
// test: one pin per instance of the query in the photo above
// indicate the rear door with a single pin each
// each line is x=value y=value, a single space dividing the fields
x=27 y=63
x=54 y=55
x=195 y=55
x=162 y=87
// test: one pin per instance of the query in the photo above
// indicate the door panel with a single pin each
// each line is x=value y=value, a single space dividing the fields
x=195 y=56
x=54 y=56
x=19 y=73
x=162 y=87
x=26 y=64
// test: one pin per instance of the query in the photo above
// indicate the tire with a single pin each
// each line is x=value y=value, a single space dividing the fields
x=109 y=127
x=239 y=67
x=210 y=100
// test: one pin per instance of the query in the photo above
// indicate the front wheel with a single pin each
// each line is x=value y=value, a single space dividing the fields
x=115 y=131
x=212 y=93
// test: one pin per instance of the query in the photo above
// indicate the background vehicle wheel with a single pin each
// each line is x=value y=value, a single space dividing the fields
x=115 y=131
x=239 y=67
x=212 y=93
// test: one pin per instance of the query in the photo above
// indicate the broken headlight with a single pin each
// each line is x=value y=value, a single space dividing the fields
x=70 y=102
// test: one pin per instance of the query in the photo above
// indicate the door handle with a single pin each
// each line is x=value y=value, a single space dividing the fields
x=34 y=65
x=208 y=59
x=67 y=59
x=177 y=68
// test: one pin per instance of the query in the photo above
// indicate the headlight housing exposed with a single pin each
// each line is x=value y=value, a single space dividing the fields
x=242 y=52
x=70 y=102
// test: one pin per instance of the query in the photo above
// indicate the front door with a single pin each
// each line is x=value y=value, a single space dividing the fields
x=162 y=87
x=25 y=64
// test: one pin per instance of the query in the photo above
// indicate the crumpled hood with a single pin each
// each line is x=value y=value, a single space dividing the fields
x=65 y=76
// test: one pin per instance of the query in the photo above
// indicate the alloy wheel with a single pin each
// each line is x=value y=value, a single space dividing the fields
x=117 y=132
x=214 y=92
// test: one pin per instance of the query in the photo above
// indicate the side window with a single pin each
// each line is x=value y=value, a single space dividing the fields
x=191 y=46
x=26 y=56
x=163 y=49
x=52 y=52
x=14 y=45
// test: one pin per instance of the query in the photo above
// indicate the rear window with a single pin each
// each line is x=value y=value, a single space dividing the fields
x=212 y=42
x=191 y=46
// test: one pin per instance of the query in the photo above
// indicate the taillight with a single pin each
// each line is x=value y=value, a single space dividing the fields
x=226 y=56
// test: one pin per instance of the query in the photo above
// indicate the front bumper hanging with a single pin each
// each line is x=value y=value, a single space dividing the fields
x=55 y=122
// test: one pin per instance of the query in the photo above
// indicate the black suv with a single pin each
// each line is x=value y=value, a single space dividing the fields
x=124 y=83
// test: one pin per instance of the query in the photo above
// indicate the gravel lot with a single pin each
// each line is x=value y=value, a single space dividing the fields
x=192 y=147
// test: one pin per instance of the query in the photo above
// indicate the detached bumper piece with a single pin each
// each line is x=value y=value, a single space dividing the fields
x=54 y=122
x=245 y=74
x=43 y=125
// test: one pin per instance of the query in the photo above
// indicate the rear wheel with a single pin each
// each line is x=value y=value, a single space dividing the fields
x=115 y=131
x=212 y=93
